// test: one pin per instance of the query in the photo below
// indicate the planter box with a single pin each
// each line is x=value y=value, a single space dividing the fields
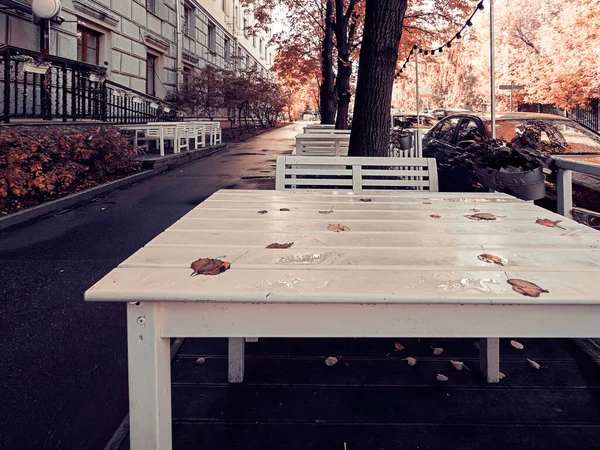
x=406 y=142
x=524 y=185
x=34 y=68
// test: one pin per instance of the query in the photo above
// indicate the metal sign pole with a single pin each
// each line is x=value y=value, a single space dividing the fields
x=492 y=70
x=417 y=144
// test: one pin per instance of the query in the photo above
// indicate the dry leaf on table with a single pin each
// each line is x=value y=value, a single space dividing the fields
x=533 y=364
x=492 y=259
x=427 y=203
x=411 y=361
x=441 y=377
x=550 y=223
x=326 y=212
x=501 y=375
x=481 y=216
x=517 y=345
x=262 y=211
x=331 y=361
x=476 y=345
x=526 y=287
x=366 y=200
x=276 y=245
x=200 y=361
x=399 y=347
x=437 y=351
x=338 y=228
x=284 y=209
x=209 y=266
x=435 y=216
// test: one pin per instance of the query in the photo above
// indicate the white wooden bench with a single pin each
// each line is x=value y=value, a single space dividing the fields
x=213 y=129
x=356 y=173
x=322 y=145
x=161 y=132
x=317 y=126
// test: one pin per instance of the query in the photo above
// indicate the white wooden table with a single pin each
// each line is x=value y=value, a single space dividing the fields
x=398 y=272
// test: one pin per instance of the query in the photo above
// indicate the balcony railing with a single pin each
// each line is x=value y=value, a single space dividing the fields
x=69 y=91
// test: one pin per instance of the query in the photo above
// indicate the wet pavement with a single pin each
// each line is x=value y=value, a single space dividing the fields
x=63 y=371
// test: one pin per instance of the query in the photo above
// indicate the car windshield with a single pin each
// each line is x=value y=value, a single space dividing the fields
x=571 y=137
x=411 y=121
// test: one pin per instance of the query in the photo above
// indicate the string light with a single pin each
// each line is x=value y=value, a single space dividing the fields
x=458 y=35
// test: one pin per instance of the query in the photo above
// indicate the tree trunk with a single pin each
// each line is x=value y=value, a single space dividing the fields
x=327 y=87
x=381 y=36
x=344 y=32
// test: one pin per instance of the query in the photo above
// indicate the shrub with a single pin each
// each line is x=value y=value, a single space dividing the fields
x=43 y=163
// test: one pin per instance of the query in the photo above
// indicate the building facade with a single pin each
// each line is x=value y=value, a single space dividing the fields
x=145 y=45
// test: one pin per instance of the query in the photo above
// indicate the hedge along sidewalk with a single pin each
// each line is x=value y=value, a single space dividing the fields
x=156 y=166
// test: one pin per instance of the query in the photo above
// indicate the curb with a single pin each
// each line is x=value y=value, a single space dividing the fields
x=80 y=197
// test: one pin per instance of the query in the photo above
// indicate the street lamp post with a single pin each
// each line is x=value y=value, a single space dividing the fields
x=492 y=70
x=417 y=143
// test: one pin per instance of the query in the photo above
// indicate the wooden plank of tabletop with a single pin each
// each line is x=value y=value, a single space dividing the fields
x=382 y=285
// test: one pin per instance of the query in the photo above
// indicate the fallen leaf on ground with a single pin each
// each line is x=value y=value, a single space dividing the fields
x=441 y=377
x=262 y=211
x=550 y=223
x=533 y=364
x=284 y=209
x=526 y=287
x=338 y=228
x=209 y=266
x=366 y=200
x=200 y=361
x=331 y=361
x=411 y=361
x=501 y=375
x=427 y=203
x=517 y=345
x=435 y=216
x=488 y=258
x=326 y=212
x=399 y=346
x=458 y=365
x=276 y=245
x=437 y=350
x=481 y=216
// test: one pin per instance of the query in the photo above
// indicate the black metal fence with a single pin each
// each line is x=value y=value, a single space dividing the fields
x=587 y=115
x=36 y=86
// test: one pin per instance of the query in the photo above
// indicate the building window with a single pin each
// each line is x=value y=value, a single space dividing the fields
x=187 y=70
x=260 y=46
x=254 y=41
x=187 y=19
x=224 y=5
x=245 y=25
x=151 y=74
x=212 y=37
x=88 y=45
x=151 y=6
x=226 y=53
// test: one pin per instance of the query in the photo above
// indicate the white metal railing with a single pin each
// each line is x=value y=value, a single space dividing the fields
x=564 y=182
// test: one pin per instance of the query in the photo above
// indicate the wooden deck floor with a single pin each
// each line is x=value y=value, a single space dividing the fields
x=372 y=399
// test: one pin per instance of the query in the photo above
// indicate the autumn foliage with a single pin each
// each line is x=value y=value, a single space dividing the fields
x=43 y=163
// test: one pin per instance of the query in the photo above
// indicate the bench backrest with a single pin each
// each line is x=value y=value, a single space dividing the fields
x=322 y=145
x=320 y=126
x=308 y=130
x=356 y=173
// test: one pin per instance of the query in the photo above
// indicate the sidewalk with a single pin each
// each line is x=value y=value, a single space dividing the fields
x=63 y=374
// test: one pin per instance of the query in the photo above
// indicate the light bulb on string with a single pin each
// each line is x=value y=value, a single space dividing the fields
x=458 y=35
x=469 y=23
x=480 y=5
x=449 y=44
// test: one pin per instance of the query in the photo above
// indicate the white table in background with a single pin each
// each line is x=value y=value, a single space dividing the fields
x=397 y=273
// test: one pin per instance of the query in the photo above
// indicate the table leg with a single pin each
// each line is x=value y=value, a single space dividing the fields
x=489 y=359
x=149 y=362
x=235 y=366
x=249 y=339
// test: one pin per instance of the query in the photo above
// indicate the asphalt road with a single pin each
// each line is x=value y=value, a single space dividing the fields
x=63 y=365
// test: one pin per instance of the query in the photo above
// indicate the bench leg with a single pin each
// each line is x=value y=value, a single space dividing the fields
x=235 y=371
x=251 y=339
x=489 y=359
x=149 y=364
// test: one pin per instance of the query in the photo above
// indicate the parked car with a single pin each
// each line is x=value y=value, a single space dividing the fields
x=408 y=120
x=440 y=113
x=463 y=130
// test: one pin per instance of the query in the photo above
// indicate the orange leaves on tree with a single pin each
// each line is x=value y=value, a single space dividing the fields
x=209 y=266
